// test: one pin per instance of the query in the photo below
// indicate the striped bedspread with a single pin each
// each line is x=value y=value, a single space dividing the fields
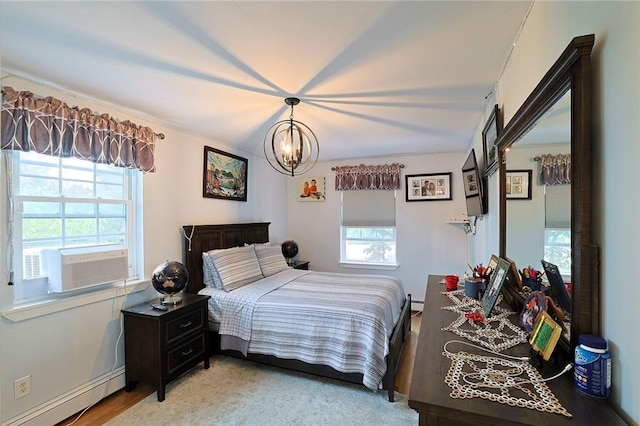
x=340 y=320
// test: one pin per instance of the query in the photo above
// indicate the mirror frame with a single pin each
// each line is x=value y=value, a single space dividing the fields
x=572 y=71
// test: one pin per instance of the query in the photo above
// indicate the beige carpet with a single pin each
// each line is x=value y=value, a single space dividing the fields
x=236 y=392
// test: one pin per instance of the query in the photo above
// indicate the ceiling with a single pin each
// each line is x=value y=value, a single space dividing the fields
x=374 y=78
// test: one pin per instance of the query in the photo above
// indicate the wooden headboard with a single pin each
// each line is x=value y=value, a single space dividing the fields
x=202 y=238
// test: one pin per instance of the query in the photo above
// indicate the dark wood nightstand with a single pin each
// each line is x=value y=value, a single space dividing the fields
x=300 y=264
x=160 y=346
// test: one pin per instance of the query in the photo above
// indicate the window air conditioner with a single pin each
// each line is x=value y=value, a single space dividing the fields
x=76 y=268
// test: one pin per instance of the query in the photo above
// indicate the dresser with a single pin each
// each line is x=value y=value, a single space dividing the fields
x=162 y=345
x=430 y=395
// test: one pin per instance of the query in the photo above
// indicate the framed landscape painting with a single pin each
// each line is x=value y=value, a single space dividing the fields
x=224 y=175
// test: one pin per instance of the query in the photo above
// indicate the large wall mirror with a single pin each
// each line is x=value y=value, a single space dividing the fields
x=554 y=223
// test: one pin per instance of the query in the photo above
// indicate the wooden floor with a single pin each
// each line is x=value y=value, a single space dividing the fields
x=120 y=401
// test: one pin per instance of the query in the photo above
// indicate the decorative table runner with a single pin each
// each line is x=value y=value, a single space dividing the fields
x=495 y=332
x=507 y=381
x=516 y=383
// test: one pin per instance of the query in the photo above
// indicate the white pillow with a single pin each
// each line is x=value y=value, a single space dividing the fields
x=236 y=266
x=210 y=277
x=271 y=259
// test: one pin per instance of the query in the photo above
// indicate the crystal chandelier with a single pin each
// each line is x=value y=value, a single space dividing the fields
x=290 y=146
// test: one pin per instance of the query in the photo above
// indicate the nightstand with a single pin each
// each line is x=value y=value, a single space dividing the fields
x=160 y=346
x=300 y=264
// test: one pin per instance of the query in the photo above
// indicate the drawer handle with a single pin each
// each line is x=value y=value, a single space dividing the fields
x=188 y=324
x=187 y=352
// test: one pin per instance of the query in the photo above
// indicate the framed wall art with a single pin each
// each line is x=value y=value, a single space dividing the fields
x=312 y=189
x=518 y=186
x=490 y=135
x=428 y=187
x=224 y=175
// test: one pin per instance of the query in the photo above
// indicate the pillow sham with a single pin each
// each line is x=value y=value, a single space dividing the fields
x=210 y=277
x=271 y=259
x=236 y=266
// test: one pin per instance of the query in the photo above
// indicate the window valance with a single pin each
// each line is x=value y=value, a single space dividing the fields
x=48 y=126
x=363 y=177
x=555 y=169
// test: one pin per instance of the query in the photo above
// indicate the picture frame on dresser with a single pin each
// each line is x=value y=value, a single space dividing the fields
x=494 y=287
x=224 y=175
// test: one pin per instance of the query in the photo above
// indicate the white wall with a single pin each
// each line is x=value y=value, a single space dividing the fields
x=64 y=351
x=426 y=244
x=616 y=94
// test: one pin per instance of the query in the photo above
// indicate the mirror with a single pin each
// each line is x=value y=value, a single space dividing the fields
x=555 y=118
x=544 y=219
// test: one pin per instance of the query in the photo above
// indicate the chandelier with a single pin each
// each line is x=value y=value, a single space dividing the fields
x=290 y=146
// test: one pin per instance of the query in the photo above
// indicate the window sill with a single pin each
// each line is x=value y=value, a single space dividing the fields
x=380 y=267
x=31 y=310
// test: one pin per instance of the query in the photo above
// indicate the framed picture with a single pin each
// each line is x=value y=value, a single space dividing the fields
x=428 y=187
x=224 y=175
x=494 y=287
x=471 y=183
x=490 y=135
x=512 y=287
x=518 y=184
x=312 y=189
x=493 y=262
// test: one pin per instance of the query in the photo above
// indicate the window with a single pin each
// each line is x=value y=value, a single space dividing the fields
x=368 y=228
x=66 y=202
x=557 y=248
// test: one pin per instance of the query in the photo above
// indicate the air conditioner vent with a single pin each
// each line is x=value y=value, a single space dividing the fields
x=75 y=268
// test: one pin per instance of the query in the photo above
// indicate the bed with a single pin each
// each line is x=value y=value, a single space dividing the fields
x=254 y=301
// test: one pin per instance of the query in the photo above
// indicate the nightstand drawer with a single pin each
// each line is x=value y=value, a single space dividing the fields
x=183 y=325
x=181 y=355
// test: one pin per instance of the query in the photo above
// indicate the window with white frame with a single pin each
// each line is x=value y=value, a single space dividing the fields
x=557 y=248
x=66 y=202
x=368 y=228
x=557 y=222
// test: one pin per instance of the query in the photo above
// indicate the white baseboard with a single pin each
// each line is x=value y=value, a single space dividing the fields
x=74 y=401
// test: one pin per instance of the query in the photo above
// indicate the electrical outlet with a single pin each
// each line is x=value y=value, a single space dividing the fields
x=22 y=387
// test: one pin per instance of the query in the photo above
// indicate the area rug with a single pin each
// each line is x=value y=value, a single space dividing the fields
x=238 y=392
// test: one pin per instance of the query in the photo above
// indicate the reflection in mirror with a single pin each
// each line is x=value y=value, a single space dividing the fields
x=540 y=228
x=570 y=76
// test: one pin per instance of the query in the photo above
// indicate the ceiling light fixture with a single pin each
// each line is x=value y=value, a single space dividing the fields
x=290 y=146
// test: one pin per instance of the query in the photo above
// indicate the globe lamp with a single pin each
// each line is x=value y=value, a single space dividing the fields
x=289 y=250
x=169 y=278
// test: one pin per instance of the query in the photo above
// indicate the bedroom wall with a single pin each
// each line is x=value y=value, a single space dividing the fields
x=616 y=99
x=426 y=244
x=68 y=353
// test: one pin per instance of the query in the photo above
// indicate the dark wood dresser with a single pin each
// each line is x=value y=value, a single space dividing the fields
x=430 y=395
x=162 y=345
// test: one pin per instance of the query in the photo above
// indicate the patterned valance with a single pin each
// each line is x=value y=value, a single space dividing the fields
x=48 y=126
x=386 y=176
x=555 y=169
